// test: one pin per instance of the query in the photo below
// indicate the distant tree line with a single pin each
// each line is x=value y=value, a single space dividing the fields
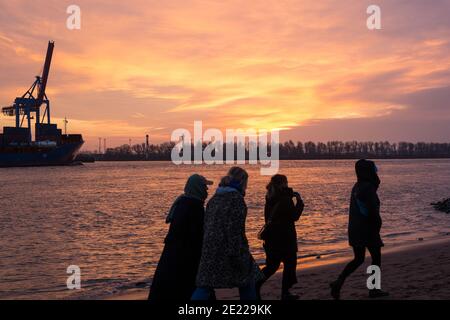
x=355 y=149
x=291 y=150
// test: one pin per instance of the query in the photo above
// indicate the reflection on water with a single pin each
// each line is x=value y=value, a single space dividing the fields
x=108 y=218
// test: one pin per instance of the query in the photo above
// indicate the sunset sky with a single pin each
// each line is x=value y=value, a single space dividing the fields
x=311 y=68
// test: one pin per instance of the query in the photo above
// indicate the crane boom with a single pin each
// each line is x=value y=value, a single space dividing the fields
x=45 y=72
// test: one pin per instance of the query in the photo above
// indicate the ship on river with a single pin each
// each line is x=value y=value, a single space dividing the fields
x=50 y=146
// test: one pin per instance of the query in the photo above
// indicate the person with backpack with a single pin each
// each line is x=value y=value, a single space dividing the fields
x=364 y=225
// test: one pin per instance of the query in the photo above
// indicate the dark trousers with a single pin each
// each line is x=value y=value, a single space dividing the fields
x=273 y=261
x=358 y=260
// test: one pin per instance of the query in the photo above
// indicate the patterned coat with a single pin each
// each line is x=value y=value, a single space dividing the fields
x=226 y=261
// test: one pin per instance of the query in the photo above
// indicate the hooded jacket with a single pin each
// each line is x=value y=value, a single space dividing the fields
x=364 y=215
x=175 y=274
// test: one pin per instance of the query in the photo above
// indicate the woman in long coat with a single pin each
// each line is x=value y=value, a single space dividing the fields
x=226 y=261
x=175 y=274
x=364 y=225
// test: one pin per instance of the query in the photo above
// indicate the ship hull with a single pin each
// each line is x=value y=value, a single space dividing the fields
x=60 y=155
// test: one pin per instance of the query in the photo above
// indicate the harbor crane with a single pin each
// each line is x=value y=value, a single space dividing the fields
x=33 y=99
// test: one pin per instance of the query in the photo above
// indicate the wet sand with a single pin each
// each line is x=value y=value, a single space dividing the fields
x=417 y=271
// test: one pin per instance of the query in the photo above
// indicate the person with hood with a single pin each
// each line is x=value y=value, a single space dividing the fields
x=279 y=234
x=175 y=274
x=226 y=261
x=364 y=225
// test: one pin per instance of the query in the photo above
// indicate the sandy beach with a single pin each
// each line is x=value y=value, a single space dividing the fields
x=418 y=271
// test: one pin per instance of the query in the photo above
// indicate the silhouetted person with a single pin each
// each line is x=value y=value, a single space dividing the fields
x=174 y=277
x=364 y=224
x=280 y=236
x=226 y=260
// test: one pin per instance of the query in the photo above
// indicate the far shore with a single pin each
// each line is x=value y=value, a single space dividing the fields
x=99 y=158
x=417 y=271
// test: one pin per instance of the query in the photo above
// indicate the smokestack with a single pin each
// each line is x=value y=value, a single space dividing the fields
x=99 y=145
x=104 y=145
x=147 y=145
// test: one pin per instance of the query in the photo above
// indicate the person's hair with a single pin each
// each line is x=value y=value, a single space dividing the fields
x=235 y=174
x=276 y=184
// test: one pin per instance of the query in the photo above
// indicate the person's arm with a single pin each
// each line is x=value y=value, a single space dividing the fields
x=297 y=209
x=367 y=201
x=266 y=212
x=195 y=230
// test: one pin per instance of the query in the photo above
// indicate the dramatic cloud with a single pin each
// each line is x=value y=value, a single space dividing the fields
x=309 y=67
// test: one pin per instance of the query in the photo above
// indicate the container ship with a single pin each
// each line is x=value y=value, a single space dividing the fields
x=50 y=147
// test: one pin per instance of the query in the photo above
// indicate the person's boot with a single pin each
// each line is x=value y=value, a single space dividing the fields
x=377 y=293
x=335 y=287
x=286 y=295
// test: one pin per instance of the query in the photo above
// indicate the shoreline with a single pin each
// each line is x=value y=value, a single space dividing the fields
x=416 y=270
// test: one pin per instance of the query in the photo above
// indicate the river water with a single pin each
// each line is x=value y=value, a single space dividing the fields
x=108 y=217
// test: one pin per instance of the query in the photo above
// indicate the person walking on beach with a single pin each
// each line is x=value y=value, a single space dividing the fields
x=175 y=274
x=226 y=261
x=279 y=234
x=364 y=225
